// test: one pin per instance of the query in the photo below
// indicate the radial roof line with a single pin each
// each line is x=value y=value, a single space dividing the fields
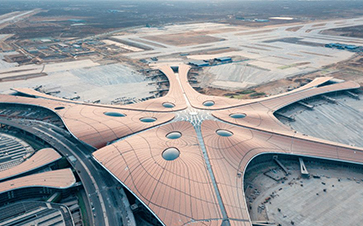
x=182 y=188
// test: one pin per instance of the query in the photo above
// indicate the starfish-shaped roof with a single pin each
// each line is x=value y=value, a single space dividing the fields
x=195 y=177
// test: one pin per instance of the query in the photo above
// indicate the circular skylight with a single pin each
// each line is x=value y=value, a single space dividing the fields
x=170 y=154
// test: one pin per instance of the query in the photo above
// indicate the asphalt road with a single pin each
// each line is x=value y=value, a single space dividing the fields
x=101 y=188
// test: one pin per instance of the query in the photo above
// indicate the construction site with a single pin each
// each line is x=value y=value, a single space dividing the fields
x=297 y=190
x=263 y=59
x=319 y=117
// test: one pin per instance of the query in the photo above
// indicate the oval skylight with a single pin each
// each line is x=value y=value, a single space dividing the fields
x=147 y=119
x=114 y=114
x=168 y=105
x=174 y=135
x=208 y=103
x=170 y=154
x=237 y=115
x=224 y=133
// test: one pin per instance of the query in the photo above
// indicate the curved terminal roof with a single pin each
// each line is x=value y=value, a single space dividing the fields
x=229 y=157
x=137 y=161
x=195 y=178
x=185 y=182
x=41 y=158
x=59 y=179
x=179 y=191
x=89 y=123
x=260 y=114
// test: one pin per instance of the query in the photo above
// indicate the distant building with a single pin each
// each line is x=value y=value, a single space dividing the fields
x=45 y=40
x=62 y=45
x=223 y=59
x=262 y=20
x=198 y=63
x=352 y=48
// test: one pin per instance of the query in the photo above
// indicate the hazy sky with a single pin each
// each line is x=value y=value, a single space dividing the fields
x=177 y=0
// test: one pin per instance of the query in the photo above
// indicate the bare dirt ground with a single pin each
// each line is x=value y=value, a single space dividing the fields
x=213 y=51
x=293 y=29
x=319 y=25
x=183 y=39
x=351 y=69
x=354 y=31
x=260 y=24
